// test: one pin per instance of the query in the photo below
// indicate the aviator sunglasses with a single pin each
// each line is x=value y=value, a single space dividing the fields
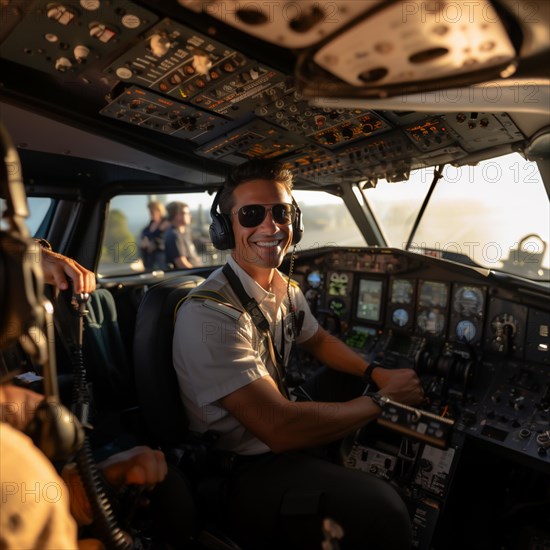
x=253 y=215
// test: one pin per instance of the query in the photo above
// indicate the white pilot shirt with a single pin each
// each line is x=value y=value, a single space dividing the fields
x=217 y=350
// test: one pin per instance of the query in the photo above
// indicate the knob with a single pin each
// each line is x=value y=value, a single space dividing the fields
x=347 y=133
x=159 y=45
x=81 y=53
x=543 y=439
x=62 y=64
x=426 y=465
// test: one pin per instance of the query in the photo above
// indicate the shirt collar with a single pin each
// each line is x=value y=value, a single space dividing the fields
x=253 y=289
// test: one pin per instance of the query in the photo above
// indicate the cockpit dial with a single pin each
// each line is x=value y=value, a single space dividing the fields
x=468 y=301
x=314 y=279
x=466 y=330
x=400 y=317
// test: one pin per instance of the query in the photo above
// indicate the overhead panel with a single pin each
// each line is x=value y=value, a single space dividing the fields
x=160 y=114
x=429 y=40
x=257 y=139
x=162 y=76
x=288 y=24
x=67 y=37
x=330 y=127
x=186 y=65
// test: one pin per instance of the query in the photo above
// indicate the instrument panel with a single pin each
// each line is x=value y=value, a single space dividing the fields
x=404 y=293
x=468 y=335
x=479 y=344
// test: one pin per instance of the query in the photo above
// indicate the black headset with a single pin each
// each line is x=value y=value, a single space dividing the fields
x=21 y=296
x=221 y=230
x=23 y=305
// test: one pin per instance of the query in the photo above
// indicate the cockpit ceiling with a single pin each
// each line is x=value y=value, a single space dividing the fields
x=194 y=86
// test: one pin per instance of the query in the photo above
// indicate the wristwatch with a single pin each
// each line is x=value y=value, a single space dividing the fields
x=367 y=375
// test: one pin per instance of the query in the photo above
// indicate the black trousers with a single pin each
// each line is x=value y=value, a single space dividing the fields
x=281 y=500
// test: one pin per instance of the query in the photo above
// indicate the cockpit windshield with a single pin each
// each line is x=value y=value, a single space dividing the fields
x=496 y=214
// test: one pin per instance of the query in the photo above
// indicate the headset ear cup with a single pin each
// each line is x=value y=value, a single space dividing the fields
x=221 y=232
x=297 y=227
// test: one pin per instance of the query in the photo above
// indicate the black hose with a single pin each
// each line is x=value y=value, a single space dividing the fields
x=105 y=522
x=81 y=398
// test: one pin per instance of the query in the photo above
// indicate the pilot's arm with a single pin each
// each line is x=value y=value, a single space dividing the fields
x=400 y=385
x=285 y=425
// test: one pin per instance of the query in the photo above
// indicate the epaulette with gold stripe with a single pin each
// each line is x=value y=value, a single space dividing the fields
x=213 y=300
x=293 y=283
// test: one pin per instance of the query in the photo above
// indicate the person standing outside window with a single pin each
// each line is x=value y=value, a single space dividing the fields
x=178 y=243
x=151 y=242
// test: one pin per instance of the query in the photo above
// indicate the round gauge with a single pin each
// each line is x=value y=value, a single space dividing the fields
x=400 y=317
x=314 y=279
x=468 y=301
x=466 y=330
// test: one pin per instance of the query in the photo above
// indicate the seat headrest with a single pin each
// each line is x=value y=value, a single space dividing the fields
x=156 y=381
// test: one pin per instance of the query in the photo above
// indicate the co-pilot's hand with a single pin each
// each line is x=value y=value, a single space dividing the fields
x=136 y=466
x=18 y=405
x=57 y=268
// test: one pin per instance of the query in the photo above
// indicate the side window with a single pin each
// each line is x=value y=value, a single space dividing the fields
x=136 y=228
x=134 y=242
x=38 y=210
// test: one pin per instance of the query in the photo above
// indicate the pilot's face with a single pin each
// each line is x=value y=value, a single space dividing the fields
x=263 y=246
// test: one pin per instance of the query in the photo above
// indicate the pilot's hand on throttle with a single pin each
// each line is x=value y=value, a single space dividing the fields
x=57 y=268
x=18 y=405
x=401 y=385
x=137 y=466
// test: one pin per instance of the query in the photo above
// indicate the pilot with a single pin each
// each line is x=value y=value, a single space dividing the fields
x=230 y=366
